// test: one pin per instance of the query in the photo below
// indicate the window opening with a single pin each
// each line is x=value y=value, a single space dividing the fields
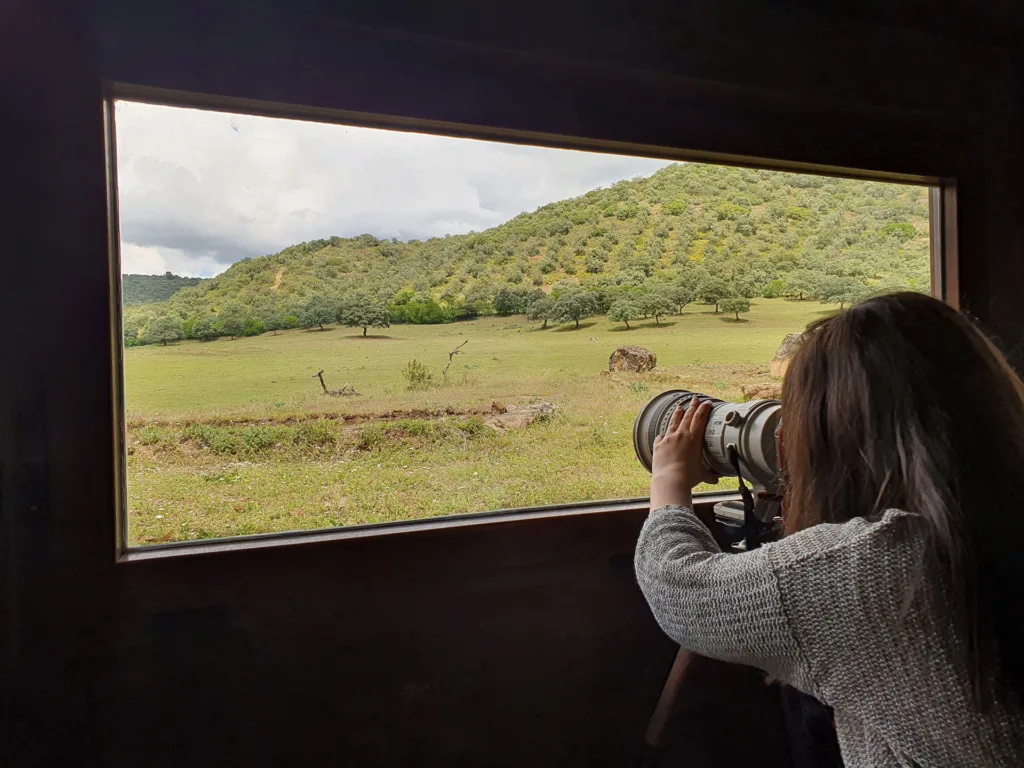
x=330 y=325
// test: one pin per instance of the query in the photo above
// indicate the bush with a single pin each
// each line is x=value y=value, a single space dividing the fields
x=901 y=230
x=318 y=433
x=253 y=327
x=258 y=439
x=773 y=289
x=371 y=436
x=148 y=435
x=216 y=439
x=417 y=375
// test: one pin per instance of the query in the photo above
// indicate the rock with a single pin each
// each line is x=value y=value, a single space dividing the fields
x=520 y=416
x=762 y=391
x=593 y=338
x=786 y=349
x=632 y=358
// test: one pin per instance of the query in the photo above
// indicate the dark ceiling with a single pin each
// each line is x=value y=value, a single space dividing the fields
x=993 y=22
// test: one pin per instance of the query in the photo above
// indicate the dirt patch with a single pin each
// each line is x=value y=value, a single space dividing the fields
x=764 y=391
x=520 y=416
x=277 y=279
x=347 y=418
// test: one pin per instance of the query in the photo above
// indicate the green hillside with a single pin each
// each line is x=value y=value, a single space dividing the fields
x=146 y=289
x=716 y=232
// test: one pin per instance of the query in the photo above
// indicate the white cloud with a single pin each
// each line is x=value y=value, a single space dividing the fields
x=199 y=190
x=156 y=259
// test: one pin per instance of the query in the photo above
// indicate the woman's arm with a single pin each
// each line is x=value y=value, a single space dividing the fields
x=724 y=606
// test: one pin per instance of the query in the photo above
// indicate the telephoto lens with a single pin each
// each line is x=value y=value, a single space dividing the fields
x=743 y=434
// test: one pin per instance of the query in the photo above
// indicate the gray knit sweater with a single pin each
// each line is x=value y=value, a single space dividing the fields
x=826 y=610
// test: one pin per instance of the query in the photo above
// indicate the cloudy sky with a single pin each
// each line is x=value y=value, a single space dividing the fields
x=199 y=190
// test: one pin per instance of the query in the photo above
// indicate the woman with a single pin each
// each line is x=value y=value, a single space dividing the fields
x=897 y=595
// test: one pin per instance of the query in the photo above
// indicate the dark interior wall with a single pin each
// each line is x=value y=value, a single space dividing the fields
x=499 y=644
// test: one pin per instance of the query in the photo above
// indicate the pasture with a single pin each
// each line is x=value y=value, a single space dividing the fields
x=235 y=437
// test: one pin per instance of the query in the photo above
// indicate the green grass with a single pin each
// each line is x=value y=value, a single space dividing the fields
x=236 y=437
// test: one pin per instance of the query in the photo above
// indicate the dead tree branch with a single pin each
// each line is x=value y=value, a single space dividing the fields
x=451 y=356
x=344 y=391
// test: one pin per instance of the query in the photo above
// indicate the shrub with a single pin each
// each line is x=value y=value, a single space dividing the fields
x=316 y=433
x=148 y=435
x=258 y=439
x=216 y=439
x=417 y=375
x=253 y=327
x=371 y=436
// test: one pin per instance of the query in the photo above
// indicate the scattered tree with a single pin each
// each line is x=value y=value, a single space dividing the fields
x=542 y=309
x=274 y=320
x=364 y=312
x=162 y=328
x=801 y=283
x=573 y=307
x=681 y=295
x=514 y=300
x=834 y=289
x=713 y=289
x=735 y=304
x=622 y=311
x=205 y=328
x=231 y=321
x=656 y=304
x=318 y=311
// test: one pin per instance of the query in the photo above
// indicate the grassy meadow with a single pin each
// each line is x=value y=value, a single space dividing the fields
x=234 y=437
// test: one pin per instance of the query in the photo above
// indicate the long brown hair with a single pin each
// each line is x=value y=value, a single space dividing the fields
x=900 y=402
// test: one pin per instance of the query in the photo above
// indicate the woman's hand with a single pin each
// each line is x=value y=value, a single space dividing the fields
x=678 y=463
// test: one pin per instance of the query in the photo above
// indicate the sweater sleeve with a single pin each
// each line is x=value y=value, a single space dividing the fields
x=720 y=605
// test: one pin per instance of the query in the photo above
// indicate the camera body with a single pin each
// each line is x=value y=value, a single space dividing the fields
x=741 y=440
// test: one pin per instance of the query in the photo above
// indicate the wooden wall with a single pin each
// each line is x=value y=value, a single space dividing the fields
x=507 y=643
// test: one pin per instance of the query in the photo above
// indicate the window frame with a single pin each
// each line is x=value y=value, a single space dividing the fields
x=944 y=268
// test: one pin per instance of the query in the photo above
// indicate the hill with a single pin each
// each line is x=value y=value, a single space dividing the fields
x=146 y=289
x=722 y=231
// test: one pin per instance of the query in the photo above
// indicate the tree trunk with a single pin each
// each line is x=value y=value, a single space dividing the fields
x=164 y=341
x=321 y=326
x=577 y=323
x=737 y=317
x=545 y=323
x=627 y=324
x=716 y=307
x=364 y=330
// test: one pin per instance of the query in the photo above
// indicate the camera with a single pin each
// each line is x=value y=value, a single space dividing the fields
x=741 y=440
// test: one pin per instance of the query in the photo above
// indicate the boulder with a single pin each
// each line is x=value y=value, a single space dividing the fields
x=632 y=358
x=786 y=349
x=771 y=390
x=521 y=416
